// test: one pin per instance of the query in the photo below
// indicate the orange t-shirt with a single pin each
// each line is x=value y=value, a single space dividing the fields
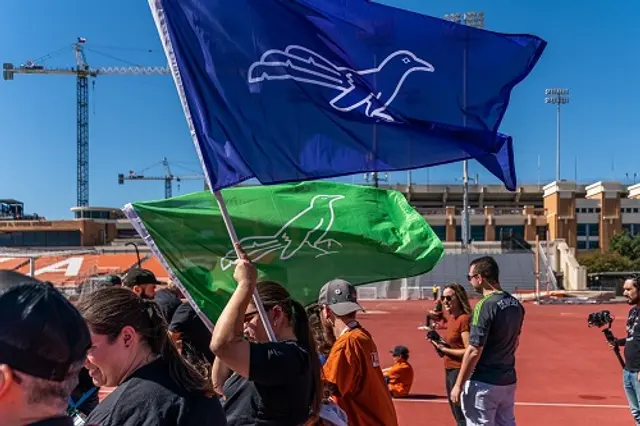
x=455 y=328
x=353 y=367
x=400 y=378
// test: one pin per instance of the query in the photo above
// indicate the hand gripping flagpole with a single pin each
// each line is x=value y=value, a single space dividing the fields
x=157 y=11
x=234 y=239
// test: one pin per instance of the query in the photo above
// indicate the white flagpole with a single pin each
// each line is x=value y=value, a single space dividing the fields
x=234 y=239
x=159 y=18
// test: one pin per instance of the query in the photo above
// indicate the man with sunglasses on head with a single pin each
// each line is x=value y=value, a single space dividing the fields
x=486 y=384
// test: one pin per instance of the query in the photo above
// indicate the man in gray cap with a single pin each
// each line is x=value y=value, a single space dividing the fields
x=43 y=345
x=352 y=370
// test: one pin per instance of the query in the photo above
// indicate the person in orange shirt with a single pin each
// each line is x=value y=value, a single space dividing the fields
x=399 y=376
x=352 y=371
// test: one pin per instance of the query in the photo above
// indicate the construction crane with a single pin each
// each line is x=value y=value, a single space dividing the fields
x=168 y=178
x=82 y=71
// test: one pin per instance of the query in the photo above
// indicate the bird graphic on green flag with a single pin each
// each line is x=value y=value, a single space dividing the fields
x=300 y=235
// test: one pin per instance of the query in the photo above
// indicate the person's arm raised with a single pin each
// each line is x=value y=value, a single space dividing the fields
x=219 y=375
x=227 y=341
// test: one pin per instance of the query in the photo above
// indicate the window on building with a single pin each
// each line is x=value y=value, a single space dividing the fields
x=541 y=232
x=440 y=231
x=40 y=239
x=477 y=233
x=509 y=231
x=582 y=230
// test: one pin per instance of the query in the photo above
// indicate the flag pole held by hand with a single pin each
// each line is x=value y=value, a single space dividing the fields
x=236 y=242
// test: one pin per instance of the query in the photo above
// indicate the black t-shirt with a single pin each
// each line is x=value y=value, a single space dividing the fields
x=632 y=343
x=168 y=302
x=496 y=325
x=279 y=390
x=149 y=397
x=196 y=337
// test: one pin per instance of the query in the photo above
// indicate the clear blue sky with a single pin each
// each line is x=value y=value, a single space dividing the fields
x=135 y=121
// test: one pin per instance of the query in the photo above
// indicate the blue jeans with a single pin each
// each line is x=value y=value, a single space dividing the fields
x=632 y=388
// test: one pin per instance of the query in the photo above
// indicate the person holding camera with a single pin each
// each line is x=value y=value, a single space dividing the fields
x=456 y=340
x=631 y=372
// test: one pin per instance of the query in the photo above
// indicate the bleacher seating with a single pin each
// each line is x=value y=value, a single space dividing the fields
x=517 y=272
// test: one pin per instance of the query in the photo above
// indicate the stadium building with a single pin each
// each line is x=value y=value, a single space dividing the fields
x=534 y=232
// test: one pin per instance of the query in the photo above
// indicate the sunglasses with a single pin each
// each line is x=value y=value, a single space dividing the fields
x=470 y=277
x=447 y=298
x=251 y=315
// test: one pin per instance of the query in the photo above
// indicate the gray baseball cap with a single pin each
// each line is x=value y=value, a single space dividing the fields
x=340 y=296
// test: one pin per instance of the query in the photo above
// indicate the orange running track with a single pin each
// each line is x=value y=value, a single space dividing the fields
x=567 y=373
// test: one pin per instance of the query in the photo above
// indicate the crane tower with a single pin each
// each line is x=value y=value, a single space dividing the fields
x=82 y=71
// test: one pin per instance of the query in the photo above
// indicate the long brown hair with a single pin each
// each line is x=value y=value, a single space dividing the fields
x=273 y=294
x=107 y=311
x=461 y=295
x=324 y=338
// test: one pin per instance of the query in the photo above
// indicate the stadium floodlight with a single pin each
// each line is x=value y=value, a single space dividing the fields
x=558 y=97
x=471 y=19
x=476 y=20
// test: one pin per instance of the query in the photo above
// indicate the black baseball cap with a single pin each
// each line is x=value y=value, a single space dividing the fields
x=139 y=276
x=400 y=351
x=10 y=279
x=41 y=333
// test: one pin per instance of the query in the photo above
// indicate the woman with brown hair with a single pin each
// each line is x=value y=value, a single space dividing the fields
x=263 y=382
x=456 y=304
x=131 y=349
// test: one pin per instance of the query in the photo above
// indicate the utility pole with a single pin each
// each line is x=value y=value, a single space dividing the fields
x=558 y=97
x=375 y=178
x=476 y=20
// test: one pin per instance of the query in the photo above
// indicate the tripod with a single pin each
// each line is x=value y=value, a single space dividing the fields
x=611 y=339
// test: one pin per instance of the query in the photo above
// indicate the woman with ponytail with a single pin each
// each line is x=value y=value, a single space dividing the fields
x=263 y=382
x=132 y=351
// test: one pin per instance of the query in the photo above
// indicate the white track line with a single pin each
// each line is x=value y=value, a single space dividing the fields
x=524 y=404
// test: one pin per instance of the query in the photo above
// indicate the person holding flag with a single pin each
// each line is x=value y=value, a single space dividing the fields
x=263 y=382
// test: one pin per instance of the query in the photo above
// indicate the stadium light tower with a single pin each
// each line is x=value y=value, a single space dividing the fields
x=557 y=97
x=476 y=20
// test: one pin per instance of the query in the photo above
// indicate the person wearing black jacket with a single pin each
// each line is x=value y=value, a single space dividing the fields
x=631 y=343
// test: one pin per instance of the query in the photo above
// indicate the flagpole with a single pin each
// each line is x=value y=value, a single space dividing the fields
x=157 y=11
x=234 y=239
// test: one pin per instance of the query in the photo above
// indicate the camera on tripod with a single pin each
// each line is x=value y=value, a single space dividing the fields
x=600 y=319
x=604 y=319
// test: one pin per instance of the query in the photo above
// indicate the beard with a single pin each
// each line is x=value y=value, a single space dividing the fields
x=632 y=300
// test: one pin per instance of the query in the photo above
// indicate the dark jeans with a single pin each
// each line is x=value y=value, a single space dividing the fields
x=451 y=375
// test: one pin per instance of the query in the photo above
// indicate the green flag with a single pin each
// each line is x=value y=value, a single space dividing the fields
x=301 y=235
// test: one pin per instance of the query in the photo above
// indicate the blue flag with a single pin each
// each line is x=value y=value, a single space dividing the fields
x=292 y=90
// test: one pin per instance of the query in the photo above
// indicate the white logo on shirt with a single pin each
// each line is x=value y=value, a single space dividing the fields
x=375 y=360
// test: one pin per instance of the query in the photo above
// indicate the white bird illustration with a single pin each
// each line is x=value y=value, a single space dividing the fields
x=321 y=217
x=306 y=66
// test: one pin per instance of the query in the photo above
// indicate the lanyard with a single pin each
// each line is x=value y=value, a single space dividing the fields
x=83 y=398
